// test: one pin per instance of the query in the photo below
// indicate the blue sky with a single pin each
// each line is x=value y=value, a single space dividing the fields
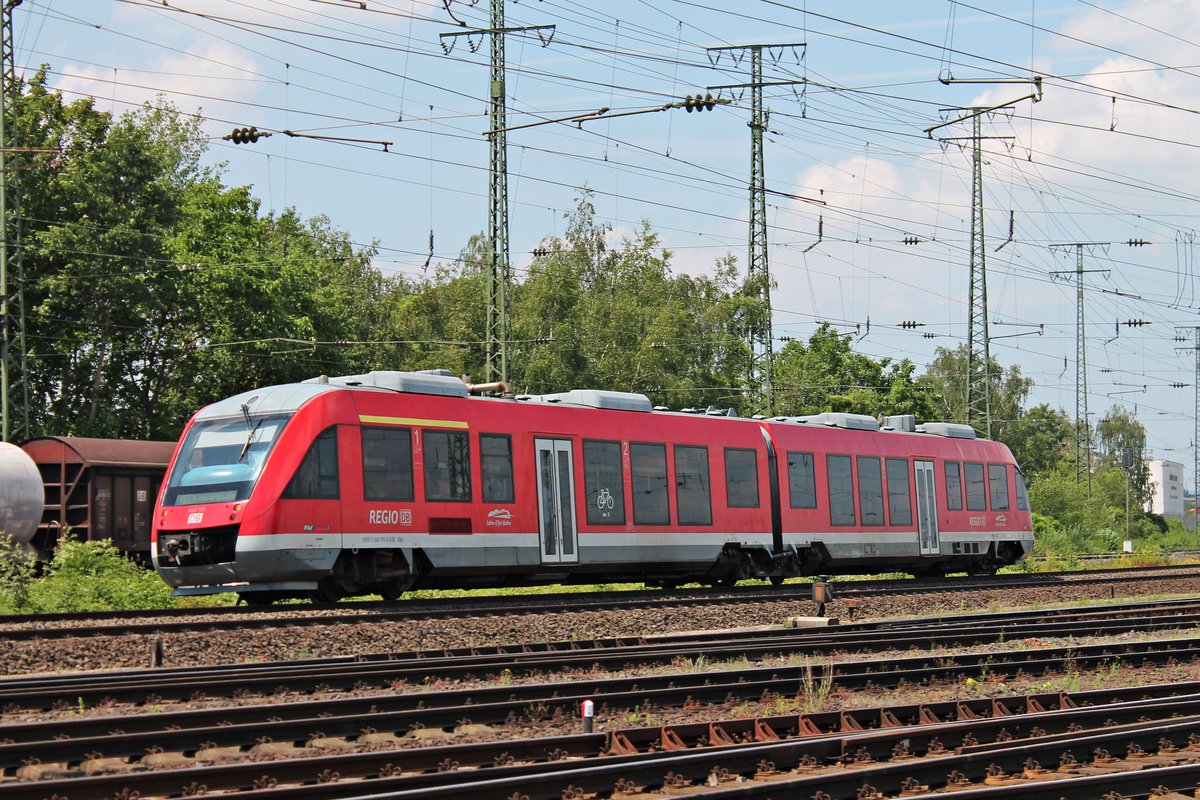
x=1109 y=154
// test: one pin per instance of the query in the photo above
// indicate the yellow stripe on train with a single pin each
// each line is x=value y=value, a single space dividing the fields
x=423 y=423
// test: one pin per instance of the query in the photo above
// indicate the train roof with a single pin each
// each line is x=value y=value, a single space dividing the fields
x=268 y=400
x=440 y=382
x=99 y=452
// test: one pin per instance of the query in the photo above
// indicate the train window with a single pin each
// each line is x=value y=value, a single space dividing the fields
x=693 y=494
x=802 y=480
x=604 y=483
x=899 y=496
x=998 y=486
x=841 y=490
x=495 y=464
x=220 y=460
x=1022 y=495
x=976 y=491
x=649 y=465
x=317 y=476
x=953 y=486
x=387 y=464
x=447 y=466
x=870 y=490
x=741 y=477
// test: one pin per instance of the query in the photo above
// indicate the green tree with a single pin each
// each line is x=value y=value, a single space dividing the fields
x=439 y=321
x=826 y=374
x=1063 y=503
x=946 y=378
x=94 y=218
x=1041 y=439
x=153 y=289
x=591 y=315
x=1119 y=436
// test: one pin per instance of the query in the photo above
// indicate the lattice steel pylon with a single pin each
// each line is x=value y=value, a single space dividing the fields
x=1083 y=428
x=979 y=357
x=499 y=273
x=498 y=335
x=758 y=272
x=1194 y=335
x=14 y=386
x=979 y=361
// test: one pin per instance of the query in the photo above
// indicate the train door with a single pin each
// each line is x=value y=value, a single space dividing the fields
x=143 y=512
x=122 y=528
x=927 y=524
x=556 y=501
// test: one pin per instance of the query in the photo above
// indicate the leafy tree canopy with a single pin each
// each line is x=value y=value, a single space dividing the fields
x=151 y=288
x=946 y=377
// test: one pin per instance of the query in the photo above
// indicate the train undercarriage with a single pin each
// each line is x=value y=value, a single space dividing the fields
x=390 y=573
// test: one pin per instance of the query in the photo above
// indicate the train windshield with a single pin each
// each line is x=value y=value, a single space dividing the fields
x=221 y=460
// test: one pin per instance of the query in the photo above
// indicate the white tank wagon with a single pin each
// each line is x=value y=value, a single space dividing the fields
x=22 y=495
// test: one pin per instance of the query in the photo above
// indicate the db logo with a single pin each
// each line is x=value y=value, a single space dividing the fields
x=406 y=517
x=195 y=518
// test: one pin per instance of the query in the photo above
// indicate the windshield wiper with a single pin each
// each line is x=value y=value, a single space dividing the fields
x=254 y=430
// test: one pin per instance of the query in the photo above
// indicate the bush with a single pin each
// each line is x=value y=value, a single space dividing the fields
x=17 y=572
x=87 y=576
x=1109 y=541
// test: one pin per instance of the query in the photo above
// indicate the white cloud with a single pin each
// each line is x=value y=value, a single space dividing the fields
x=214 y=77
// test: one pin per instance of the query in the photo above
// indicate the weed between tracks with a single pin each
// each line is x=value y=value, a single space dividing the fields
x=816 y=690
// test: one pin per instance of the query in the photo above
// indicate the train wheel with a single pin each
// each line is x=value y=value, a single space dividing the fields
x=255 y=598
x=328 y=591
x=392 y=590
x=776 y=580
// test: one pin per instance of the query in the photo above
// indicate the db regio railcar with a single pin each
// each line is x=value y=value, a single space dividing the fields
x=389 y=481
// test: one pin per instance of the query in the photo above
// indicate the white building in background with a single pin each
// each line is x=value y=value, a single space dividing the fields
x=1166 y=477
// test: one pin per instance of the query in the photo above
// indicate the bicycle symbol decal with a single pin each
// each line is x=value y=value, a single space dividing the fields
x=604 y=500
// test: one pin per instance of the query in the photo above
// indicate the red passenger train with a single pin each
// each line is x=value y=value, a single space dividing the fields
x=383 y=482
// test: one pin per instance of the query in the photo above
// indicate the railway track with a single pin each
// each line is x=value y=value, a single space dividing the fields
x=397 y=706
x=1048 y=745
x=389 y=670
x=173 y=622
x=129 y=734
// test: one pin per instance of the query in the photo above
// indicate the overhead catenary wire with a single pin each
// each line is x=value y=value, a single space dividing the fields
x=793 y=131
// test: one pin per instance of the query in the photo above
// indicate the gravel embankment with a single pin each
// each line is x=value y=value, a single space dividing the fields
x=272 y=644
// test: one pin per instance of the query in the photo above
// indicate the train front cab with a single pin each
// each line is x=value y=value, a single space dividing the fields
x=328 y=489
x=216 y=522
